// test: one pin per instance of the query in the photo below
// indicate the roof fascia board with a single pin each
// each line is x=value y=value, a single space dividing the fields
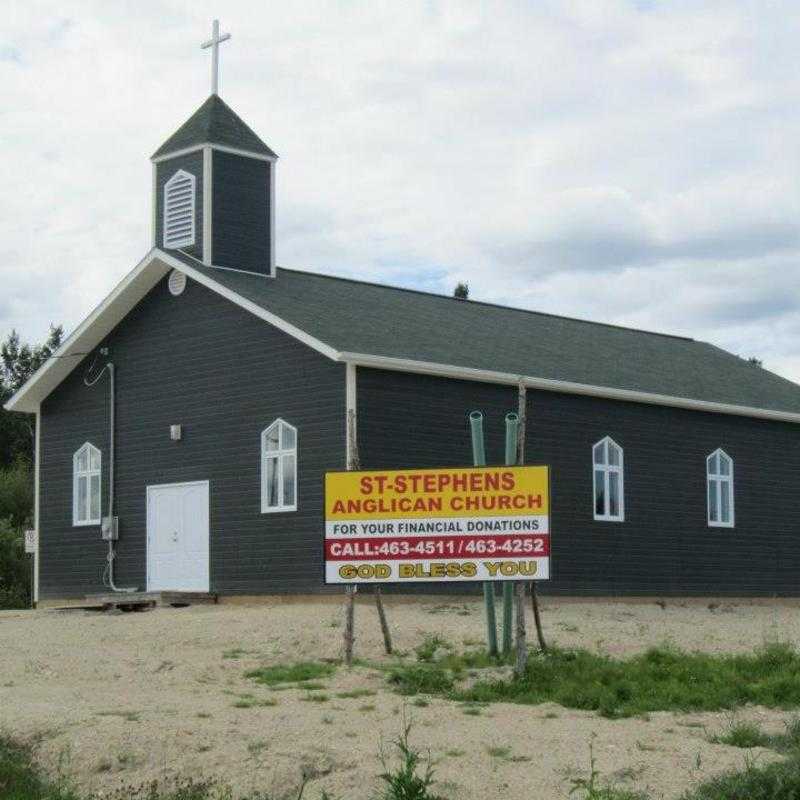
x=221 y=147
x=567 y=387
x=27 y=399
x=154 y=265
x=248 y=305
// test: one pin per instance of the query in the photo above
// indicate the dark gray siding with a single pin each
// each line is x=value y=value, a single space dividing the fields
x=193 y=163
x=241 y=213
x=664 y=546
x=225 y=375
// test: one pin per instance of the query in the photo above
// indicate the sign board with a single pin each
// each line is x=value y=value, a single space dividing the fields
x=30 y=541
x=437 y=525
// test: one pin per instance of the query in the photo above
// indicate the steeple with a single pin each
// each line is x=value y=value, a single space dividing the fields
x=215 y=122
x=214 y=188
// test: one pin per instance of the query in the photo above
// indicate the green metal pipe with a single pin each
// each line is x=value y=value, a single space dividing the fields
x=512 y=429
x=479 y=459
x=478 y=448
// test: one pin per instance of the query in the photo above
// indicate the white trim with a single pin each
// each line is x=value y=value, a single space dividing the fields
x=718 y=478
x=607 y=469
x=233 y=269
x=568 y=387
x=154 y=216
x=350 y=381
x=208 y=177
x=37 y=457
x=272 y=168
x=278 y=455
x=221 y=147
x=87 y=474
x=243 y=302
x=176 y=485
x=190 y=238
x=79 y=339
x=129 y=291
x=157 y=263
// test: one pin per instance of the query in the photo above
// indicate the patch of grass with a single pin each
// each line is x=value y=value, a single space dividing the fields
x=778 y=781
x=234 y=654
x=354 y=693
x=432 y=643
x=499 y=751
x=416 y=678
x=128 y=716
x=420 y=702
x=256 y=747
x=455 y=753
x=319 y=697
x=300 y=672
x=748 y=734
x=743 y=734
x=251 y=701
x=313 y=686
x=661 y=679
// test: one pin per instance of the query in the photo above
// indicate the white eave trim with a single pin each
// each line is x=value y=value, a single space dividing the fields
x=248 y=305
x=221 y=147
x=91 y=332
x=548 y=385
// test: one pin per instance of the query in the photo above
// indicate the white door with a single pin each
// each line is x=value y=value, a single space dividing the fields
x=177 y=537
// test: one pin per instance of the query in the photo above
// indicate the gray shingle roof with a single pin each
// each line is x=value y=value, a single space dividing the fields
x=357 y=317
x=215 y=122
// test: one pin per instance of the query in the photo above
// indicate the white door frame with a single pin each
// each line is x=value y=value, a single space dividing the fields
x=148 y=489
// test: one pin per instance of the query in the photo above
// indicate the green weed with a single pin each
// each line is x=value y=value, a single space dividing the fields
x=292 y=673
x=416 y=678
x=354 y=693
x=431 y=644
x=661 y=679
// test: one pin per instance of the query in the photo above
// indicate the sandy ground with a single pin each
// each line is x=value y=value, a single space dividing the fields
x=124 y=699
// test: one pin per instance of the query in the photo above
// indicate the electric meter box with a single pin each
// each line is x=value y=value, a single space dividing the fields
x=109 y=529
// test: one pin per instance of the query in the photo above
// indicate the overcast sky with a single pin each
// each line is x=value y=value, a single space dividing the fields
x=630 y=162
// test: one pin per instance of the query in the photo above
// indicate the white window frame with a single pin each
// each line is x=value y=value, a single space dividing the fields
x=607 y=468
x=718 y=479
x=187 y=239
x=277 y=455
x=87 y=475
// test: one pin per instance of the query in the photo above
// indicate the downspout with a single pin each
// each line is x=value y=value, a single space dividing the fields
x=108 y=575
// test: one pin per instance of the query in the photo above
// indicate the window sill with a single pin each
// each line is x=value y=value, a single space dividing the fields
x=609 y=519
x=721 y=525
x=89 y=524
x=278 y=510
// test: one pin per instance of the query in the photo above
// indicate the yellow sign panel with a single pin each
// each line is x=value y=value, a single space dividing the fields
x=466 y=492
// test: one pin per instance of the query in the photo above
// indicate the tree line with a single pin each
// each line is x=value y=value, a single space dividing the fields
x=18 y=361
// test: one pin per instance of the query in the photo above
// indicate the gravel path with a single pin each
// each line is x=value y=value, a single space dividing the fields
x=125 y=699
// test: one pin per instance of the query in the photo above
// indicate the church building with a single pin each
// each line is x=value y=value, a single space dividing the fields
x=184 y=429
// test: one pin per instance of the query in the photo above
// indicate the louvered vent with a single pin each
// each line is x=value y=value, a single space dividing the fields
x=179 y=194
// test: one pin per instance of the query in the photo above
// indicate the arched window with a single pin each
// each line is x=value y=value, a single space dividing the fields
x=609 y=486
x=86 y=486
x=179 y=198
x=279 y=467
x=719 y=476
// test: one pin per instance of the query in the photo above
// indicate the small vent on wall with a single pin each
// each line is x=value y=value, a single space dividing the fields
x=177 y=282
x=179 y=194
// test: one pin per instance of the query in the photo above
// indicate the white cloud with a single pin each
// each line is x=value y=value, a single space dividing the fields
x=632 y=162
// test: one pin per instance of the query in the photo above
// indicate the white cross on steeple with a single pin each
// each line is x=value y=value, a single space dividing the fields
x=214 y=42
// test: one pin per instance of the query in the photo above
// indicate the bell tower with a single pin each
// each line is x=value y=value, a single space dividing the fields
x=214 y=187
